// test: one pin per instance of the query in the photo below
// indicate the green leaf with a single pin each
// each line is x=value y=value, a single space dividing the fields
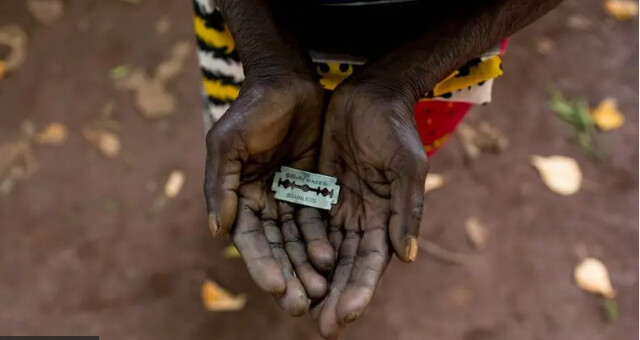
x=611 y=310
x=577 y=114
x=561 y=107
x=583 y=114
x=119 y=72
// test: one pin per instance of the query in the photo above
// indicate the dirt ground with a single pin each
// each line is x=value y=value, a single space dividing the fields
x=83 y=252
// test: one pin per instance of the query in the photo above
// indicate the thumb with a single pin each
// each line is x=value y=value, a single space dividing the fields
x=408 y=171
x=222 y=178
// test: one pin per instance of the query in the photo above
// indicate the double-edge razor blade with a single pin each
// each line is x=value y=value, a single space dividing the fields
x=305 y=188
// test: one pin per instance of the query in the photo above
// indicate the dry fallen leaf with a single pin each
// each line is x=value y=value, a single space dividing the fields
x=231 y=252
x=561 y=174
x=46 y=11
x=16 y=159
x=6 y=186
x=621 y=9
x=490 y=139
x=484 y=138
x=217 y=299
x=153 y=100
x=592 y=275
x=477 y=233
x=27 y=128
x=107 y=142
x=12 y=153
x=3 y=69
x=606 y=116
x=579 y=22
x=14 y=37
x=53 y=134
x=433 y=181
x=162 y=25
x=174 y=184
x=173 y=66
x=16 y=163
x=545 y=45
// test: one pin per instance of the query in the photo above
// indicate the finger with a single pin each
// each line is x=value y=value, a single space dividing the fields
x=314 y=284
x=314 y=230
x=329 y=149
x=294 y=300
x=249 y=237
x=317 y=309
x=327 y=165
x=328 y=322
x=222 y=178
x=335 y=238
x=370 y=262
x=407 y=173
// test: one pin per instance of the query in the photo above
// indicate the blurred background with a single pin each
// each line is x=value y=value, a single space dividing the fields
x=103 y=227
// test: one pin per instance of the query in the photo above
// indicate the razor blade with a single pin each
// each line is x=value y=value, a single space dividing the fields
x=305 y=188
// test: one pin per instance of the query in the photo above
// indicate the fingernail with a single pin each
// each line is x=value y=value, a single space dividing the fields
x=351 y=317
x=213 y=224
x=412 y=248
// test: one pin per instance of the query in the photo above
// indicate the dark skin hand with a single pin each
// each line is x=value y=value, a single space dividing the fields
x=276 y=120
x=371 y=145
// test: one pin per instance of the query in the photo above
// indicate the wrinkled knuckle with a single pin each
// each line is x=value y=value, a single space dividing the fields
x=346 y=260
x=308 y=216
x=222 y=132
x=300 y=263
x=351 y=236
x=334 y=228
x=245 y=235
x=373 y=253
x=269 y=224
x=286 y=217
x=276 y=245
x=293 y=240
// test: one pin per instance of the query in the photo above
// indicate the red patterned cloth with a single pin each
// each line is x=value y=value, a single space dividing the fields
x=437 y=118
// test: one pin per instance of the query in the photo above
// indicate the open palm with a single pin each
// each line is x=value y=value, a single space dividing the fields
x=271 y=123
x=371 y=145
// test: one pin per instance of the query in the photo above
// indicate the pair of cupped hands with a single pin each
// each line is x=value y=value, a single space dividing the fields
x=328 y=263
